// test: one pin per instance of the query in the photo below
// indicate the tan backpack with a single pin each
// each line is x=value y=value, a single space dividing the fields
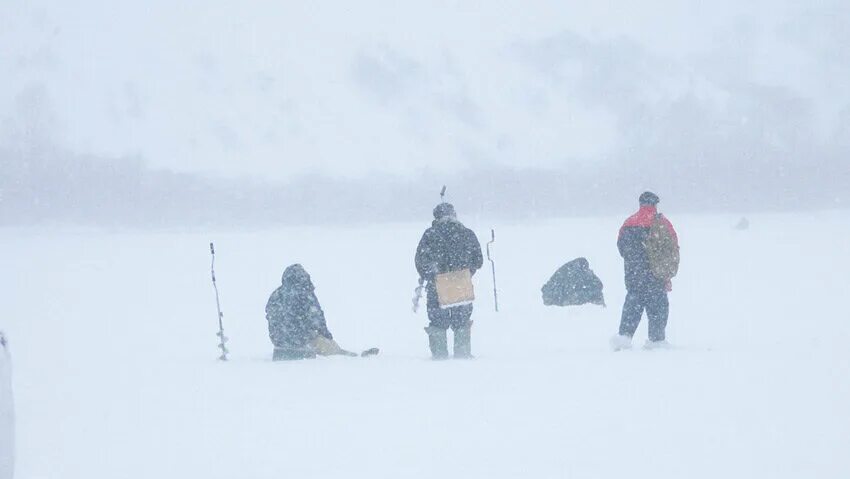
x=455 y=288
x=662 y=250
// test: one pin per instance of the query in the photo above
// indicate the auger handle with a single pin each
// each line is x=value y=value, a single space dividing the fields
x=493 y=268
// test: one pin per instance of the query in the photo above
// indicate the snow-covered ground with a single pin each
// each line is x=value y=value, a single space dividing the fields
x=116 y=376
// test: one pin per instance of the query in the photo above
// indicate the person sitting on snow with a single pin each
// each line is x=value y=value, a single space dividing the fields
x=573 y=284
x=297 y=326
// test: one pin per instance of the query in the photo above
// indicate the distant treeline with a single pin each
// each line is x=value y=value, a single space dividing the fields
x=52 y=186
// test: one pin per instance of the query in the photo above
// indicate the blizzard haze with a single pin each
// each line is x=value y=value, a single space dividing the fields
x=727 y=105
x=134 y=133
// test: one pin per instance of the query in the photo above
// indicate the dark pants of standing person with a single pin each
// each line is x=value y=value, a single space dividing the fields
x=457 y=318
x=657 y=309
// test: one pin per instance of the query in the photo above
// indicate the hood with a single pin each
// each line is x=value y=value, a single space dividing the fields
x=295 y=276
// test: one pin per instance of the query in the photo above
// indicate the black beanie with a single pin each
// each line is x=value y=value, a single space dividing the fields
x=444 y=210
x=649 y=198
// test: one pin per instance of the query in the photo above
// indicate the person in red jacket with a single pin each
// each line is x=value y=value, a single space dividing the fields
x=644 y=291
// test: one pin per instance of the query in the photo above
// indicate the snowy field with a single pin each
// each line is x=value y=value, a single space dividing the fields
x=113 y=340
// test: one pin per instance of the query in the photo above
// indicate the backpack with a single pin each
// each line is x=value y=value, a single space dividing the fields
x=662 y=250
x=454 y=288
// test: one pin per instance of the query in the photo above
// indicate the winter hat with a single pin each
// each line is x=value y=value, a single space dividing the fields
x=649 y=198
x=444 y=210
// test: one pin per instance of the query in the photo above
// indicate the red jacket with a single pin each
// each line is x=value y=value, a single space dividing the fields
x=631 y=241
x=643 y=219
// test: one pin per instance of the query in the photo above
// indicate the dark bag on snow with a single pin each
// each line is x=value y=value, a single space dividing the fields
x=662 y=250
x=573 y=284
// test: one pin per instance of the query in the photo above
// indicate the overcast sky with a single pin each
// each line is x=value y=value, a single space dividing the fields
x=274 y=90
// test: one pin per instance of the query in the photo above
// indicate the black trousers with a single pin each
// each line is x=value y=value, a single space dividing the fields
x=456 y=317
x=657 y=307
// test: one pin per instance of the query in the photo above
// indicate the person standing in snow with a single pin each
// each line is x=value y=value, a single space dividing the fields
x=297 y=326
x=447 y=247
x=647 y=272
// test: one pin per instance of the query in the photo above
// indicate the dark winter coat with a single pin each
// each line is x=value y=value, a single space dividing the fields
x=293 y=311
x=446 y=246
x=573 y=284
x=631 y=243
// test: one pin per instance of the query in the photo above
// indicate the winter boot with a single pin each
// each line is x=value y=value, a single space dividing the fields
x=438 y=342
x=651 y=345
x=463 y=341
x=620 y=342
x=370 y=352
